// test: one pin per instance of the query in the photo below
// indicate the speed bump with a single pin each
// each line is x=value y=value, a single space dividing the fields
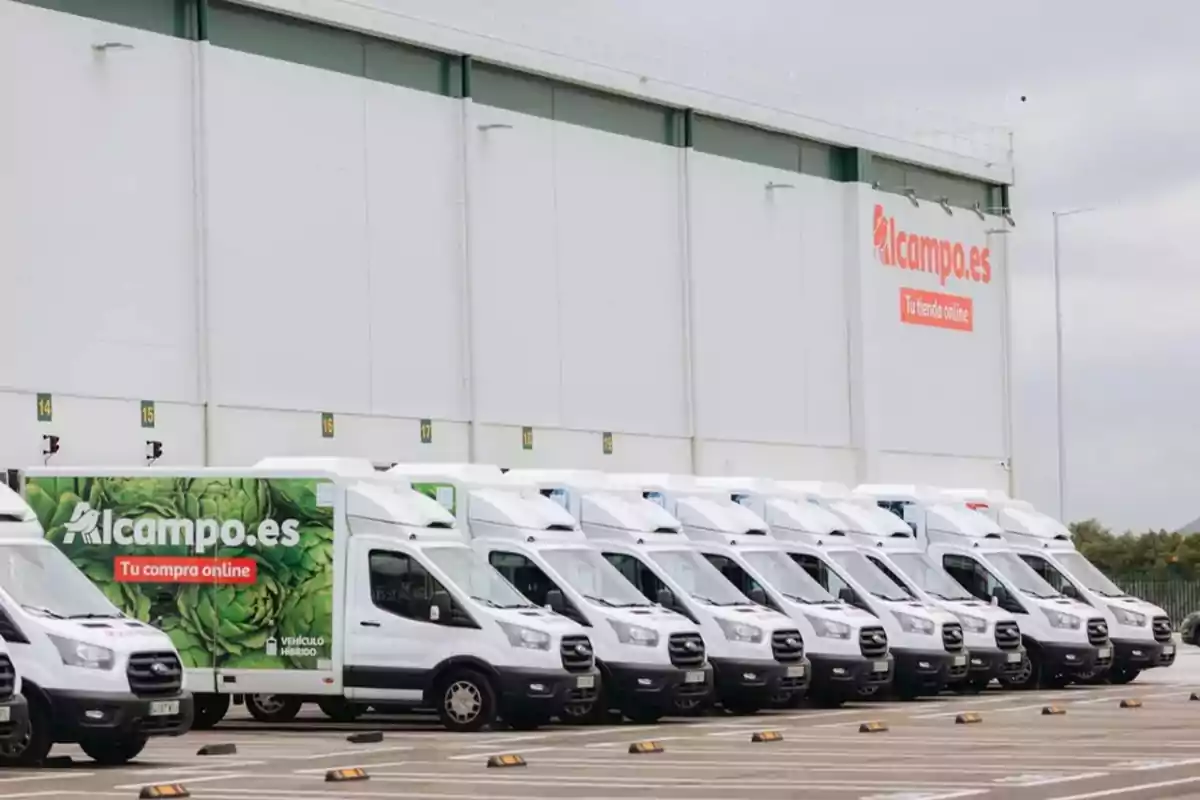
x=1131 y=703
x=1194 y=696
x=346 y=774
x=366 y=737
x=766 y=736
x=1053 y=711
x=218 y=749
x=164 y=790
x=506 y=760
x=968 y=718
x=874 y=726
x=646 y=747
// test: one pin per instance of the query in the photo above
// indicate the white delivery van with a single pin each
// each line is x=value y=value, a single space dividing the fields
x=1141 y=632
x=648 y=657
x=757 y=654
x=78 y=668
x=314 y=580
x=846 y=646
x=1065 y=640
x=991 y=634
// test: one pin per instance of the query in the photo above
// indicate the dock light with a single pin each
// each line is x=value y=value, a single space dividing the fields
x=911 y=194
x=944 y=202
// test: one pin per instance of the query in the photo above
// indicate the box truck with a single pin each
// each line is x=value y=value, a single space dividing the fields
x=991 y=634
x=309 y=580
x=1141 y=632
x=534 y=531
x=74 y=668
x=1065 y=640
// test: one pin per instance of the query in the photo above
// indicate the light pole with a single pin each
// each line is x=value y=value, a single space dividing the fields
x=1007 y=345
x=1058 y=361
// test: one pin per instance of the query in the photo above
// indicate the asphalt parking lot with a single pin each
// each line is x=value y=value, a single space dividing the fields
x=1097 y=749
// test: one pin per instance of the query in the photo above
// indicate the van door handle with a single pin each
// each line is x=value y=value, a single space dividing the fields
x=369 y=623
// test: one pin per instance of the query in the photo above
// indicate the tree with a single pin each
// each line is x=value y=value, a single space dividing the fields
x=1157 y=554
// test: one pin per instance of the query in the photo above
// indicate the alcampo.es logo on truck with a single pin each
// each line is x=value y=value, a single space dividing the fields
x=100 y=528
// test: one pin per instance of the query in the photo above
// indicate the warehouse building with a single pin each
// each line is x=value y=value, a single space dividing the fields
x=311 y=226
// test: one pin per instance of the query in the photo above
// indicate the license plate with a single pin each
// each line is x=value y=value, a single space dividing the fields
x=960 y=661
x=5 y=714
x=1014 y=658
x=585 y=682
x=880 y=666
x=1169 y=650
x=796 y=671
x=1104 y=652
x=694 y=677
x=164 y=708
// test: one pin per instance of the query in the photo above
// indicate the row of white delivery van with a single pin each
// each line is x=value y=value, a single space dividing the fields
x=141 y=602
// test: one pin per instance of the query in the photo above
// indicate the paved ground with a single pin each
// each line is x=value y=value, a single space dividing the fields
x=1096 y=750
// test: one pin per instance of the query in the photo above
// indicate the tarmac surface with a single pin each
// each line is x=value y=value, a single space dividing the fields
x=1097 y=749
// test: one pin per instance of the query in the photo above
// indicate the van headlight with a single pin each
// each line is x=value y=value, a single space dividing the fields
x=911 y=624
x=634 y=634
x=1126 y=617
x=972 y=624
x=829 y=629
x=1058 y=619
x=75 y=653
x=740 y=631
x=520 y=636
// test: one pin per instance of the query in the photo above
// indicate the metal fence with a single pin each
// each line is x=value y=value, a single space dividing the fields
x=1177 y=596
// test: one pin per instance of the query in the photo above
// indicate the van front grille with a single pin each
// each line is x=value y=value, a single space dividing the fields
x=787 y=646
x=8 y=678
x=1162 y=629
x=1008 y=635
x=152 y=674
x=686 y=649
x=577 y=655
x=873 y=642
x=1097 y=632
x=952 y=637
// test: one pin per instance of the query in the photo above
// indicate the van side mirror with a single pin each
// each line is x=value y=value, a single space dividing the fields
x=758 y=595
x=1070 y=591
x=846 y=595
x=999 y=596
x=439 y=607
x=665 y=598
x=554 y=599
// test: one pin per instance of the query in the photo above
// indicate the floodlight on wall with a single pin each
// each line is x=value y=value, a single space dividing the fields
x=774 y=185
x=1001 y=210
x=978 y=209
x=104 y=47
x=495 y=126
x=154 y=450
x=875 y=185
x=911 y=194
x=944 y=202
x=1009 y=218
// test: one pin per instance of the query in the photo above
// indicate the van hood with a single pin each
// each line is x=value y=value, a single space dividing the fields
x=119 y=635
x=540 y=618
x=661 y=619
x=978 y=608
x=1136 y=605
x=753 y=615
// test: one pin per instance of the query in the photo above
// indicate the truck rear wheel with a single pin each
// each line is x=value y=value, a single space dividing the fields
x=272 y=707
x=34 y=743
x=110 y=752
x=210 y=709
x=465 y=700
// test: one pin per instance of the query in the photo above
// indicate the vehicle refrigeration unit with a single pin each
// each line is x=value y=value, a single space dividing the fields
x=1141 y=633
x=991 y=634
x=757 y=654
x=314 y=580
x=84 y=672
x=925 y=642
x=1065 y=640
x=846 y=646
x=649 y=658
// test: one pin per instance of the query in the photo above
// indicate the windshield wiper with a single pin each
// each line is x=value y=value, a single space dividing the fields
x=90 y=615
x=795 y=598
x=43 y=610
x=485 y=601
x=712 y=602
x=599 y=600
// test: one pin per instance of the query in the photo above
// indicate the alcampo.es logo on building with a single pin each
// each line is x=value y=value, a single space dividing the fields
x=100 y=528
x=942 y=257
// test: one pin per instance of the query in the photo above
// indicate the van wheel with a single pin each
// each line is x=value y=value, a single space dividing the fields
x=643 y=715
x=339 y=709
x=742 y=707
x=210 y=709
x=691 y=706
x=113 y=752
x=1027 y=677
x=272 y=707
x=466 y=701
x=31 y=748
x=827 y=700
x=1122 y=676
x=593 y=712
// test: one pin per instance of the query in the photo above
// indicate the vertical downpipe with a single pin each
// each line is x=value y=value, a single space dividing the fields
x=688 y=299
x=199 y=64
x=466 y=304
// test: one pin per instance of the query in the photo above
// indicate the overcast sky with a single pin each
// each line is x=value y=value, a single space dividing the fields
x=1112 y=121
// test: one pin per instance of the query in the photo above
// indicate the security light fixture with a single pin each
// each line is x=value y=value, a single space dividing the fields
x=978 y=209
x=944 y=202
x=495 y=126
x=774 y=185
x=154 y=451
x=911 y=194
x=104 y=47
x=51 y=447
x=875 y=185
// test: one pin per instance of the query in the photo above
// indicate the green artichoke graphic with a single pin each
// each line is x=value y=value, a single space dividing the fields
x=308 y=612
x=245 y=499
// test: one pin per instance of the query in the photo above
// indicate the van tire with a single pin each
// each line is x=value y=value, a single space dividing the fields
x=1123 y=675
x=339 y=709
x=210 y=709
x=273 y=707
x=1030 y=675
x=595 y=713
x=33 y=747
x=465 y=700
x=113 y=752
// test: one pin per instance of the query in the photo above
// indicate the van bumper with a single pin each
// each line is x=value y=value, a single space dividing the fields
x=928 y=671
x=657 y=686
x=994 y=663
x=1077 y=659
x=14 y=716
x=544 y=692
x=845 y=675
x=1130 y=654
x=757 y=681
x=79 y=714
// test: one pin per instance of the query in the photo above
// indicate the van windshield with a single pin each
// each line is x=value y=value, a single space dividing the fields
x=471 y=573
x=1086 y=573
x=929 y=577
x=1022 y=576
x=44 y=581
x=787 y=577
x=870 y=577
x=699 y=578
x=590 y=574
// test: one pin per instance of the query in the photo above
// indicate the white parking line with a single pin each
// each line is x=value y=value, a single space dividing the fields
x=177 y=778
x=367 y=765
x=342 y=753
x=472 y=756
x=1127 y=789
